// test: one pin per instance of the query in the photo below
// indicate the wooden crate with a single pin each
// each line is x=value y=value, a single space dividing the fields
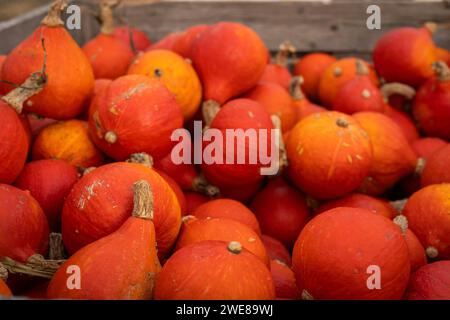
x=337 y=26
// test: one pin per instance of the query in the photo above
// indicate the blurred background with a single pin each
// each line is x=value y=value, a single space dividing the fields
x=9 y=9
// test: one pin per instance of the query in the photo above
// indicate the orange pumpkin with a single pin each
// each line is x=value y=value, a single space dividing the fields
x=302 y=105
x=175 y=73
x=278 y=72
x=276 y=249
x=441 y=55
x=284 y=280
x=437 y=167
x=417 y=255
x=194 y=200
x=404 y=121
x=4 y=290
x=132 y=36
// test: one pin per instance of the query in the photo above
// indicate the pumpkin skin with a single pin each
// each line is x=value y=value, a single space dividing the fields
x=276 y=101
x=175 y=73
x=441 y=55
x=336 y=75
x=2 y=60
x=332 y=255
x=210 y=263
x=196 y=230
x=38 y=291
x=107 y=191
x=14 y=144
x=436 y=167
x=24 y=228
x=105 y=264
x=416 y=251
x=404 y=121
x=329 y=154
x=177 y=190
x=49 y=182
x=393 y=157
x=276 y=249
x=430 y=282
x=56 y=100
x=244 y=67
x=431 y=105
x=134 y=114
x=425 y=147
x=184 y=174
x=67 y=140
x=302 y=105
x=281 y=211
x=140 y=39
x=284 y=280
x=37 y=123
x=278 y=72
x=4 y=290
x=229 y=209
x=427 y=213
x=311 y=68
x=358 y=200
x=405 y=55
x=194 y=200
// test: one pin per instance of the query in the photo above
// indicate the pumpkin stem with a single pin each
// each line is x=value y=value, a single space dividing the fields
x=53 y=17
x=36 y=266
x=431 y=26
x=3 y=272
x=55 y=247
x=361 y=68
x=188 y=218
x=295 y=88
x=276 y=121
x=399 y=205
x=342 y=123
x=110 y=137
x=210 y=109
x=201 y=185
x=141 y=158
x=143 y=200
x=306 y=295
x=234 y=247
x=402 y=222
x=88 y=170
x=107 y=16
x=389 y=89
x=312 y=203
x=285 y=49
x=442 y=71
x=431 y=252
x=420 y=165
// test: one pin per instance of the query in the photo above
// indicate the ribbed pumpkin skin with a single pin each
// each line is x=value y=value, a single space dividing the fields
x=430 y=282
x=105 y=266
x=4 y=290
x=13 y=144
x=244 y=66
x=102 y=200
x=335 y=249
x=427 y=213
x=209 y=271
x=437 y=167
x=276 y=249
x=23 y=228
x=284 y=280
x=70 y=77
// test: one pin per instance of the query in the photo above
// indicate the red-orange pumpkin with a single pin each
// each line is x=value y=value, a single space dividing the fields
x=276 y=249
x=194 y=200
x=437 y=167
x=302 y=105
x=177 y=190
x=339 y=253
x=284 y=280
x=430 y=282
x=278 y=72
x=417 y=255
x=404 y=121
x=37 y=123
x=226 y=269
x=4 y=290
x=134 y=36
x=425 y=147
x=122 y=265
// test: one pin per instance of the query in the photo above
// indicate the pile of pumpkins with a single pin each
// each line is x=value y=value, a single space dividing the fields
x=92 y=205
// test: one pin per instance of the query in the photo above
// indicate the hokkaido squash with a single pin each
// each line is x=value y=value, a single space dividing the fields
x=278 y=72
x=276 y=249
x=425 y=147
x=404 y=121
x=49 y=182
x=284 y=280
x=216 y=48
x=214 y=265
x=70 y=79
x=67 y=140
x=37 y=123
x=102 y=200
x=108 y=55
x=430 y=282
x=4 y=290
x=437 y=167
x=329 y=154
x=194 y=200
x=105 y=265
x=339 y=252
x=427 y=214
x=417 y=254
x=175 y=73
x=441 y=54
x=132 y=37
x=134 y=114
x=2 y=60
x=302 y=105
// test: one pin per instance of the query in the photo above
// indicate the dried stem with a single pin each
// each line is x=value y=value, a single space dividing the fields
x=361 y=68
x=285 y=50
x=3 y=272
x=107 y=15
x=210 y=109
x=399 y=205
x=389 y=89
x=35 y=266
x=442 y=71
x=143 y=200
x=295 y=88
x=56 y=247
x=201 y=185
x=141 y=158
x=53 y=17
x=283 y=154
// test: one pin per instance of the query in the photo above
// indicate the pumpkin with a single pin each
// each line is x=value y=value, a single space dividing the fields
x=134 y=114
x=38 y=291
x=67 y=140
x=281 y=211
x=37 y=123
x=284 y=280
x=2 y=60
x=430 y=282
x=404 y=121
x=278 y=72
x=393 y=157
x=70 y=80
x=302 y=105
x=340 y=252
x=102 y=200
x=104 y=265
x=276 y=249
x=359 y=93
x=216 y=48
x=132 y=37
x=311 y=68
x=336 y=75
x=108 y=54
x=329 y=154
x=214 y=265
x=4 y=290
x=425 y=147
x=196 y=230
x=357 y=200
x=177 y=190
x=23 y=229
x=49 y=182
x=175 y=73
x=427 y=214
x=416 y=251
x=194 y=200
x=441 y=54
x=431 y=105
x=229 y=209
x=276 y=101
x=437 y=167
x=242 y=193
x=405 y=55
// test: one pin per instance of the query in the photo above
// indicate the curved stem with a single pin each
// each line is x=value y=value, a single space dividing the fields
x=295 y=88
x=201 y=185
x=3 y=272
x=361 y=68
x=36 y=266
x=285 y=49
x=389 y=89
x=107 y=15
x=441 y=70
x=53 y=17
